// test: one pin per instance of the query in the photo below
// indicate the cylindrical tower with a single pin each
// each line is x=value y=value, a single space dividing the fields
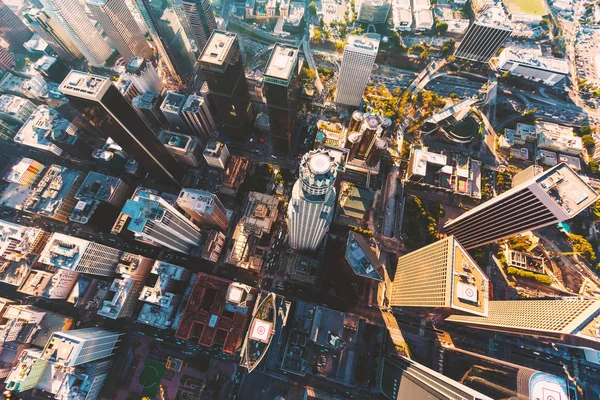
x=379 y=147
x=386 y=125
x=371 y=126
x=310 y=210
x=355 y=121
x=352 y=144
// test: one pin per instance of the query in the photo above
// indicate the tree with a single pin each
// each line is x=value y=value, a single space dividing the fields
x=441 y=27
x=585 y=130
x=321 y=24
x=588 y=141
x=317 y=37
x=594 y=168
x=581 y=245
x=424 y=55
x=339 y=47
x=312 y=8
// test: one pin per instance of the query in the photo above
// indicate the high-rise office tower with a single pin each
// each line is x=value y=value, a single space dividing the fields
x=551 y=197
x=143 y=75
x=157 y=222
x=223 y=67
x=485 y=36
x=201 y=19
x=80 y=346
x=401 y=378
x=53 y=33
x=441 y=275
x=571 y=320
x=357 y=63
x=73 y=19
x=147 y=105
x=196 y=113
x=7 y=61
x=280 y=88
x=171 y=108
x=169 y=37
x=120 y=27
x=204 y=208
x=12 y=29
x=98 y=100
x=310 y=210
x=80 y=255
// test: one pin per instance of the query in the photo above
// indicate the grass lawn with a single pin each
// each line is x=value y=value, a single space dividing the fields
x=532 y=7
x=151 y=376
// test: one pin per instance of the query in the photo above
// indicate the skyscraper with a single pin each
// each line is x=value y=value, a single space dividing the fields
x=485 y=36
x=80 y=255
x=196 y=113
x=171 y=108
x=7 y=61
x=143 y=75
x=441 y=275
x=570 y=320
x=53 y=33
x=120 y=27
x=157 y=222
x=401 y=378
x=310 y=210
x=280 y=87
x=553 y=196
x=169 y=37
x=357 y=63
x=12 y=29
x=223 y=67
x=204 y=208
x=201 y=19
x=80 y=346
x=78 y=27
x=101 y=102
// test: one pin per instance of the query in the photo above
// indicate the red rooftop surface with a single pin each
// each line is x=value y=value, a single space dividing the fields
x=213 y=318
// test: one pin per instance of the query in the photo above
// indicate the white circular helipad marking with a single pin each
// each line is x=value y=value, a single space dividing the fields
x=320 y=163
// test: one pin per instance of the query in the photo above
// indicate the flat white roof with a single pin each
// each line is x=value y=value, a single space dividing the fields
x=421 y=158
x=282 y=61
x=217 y=48
x=85 y=85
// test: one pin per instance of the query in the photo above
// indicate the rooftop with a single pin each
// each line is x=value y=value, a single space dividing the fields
x=421 y=158
x=567 y=189
x=217 y=48
x=45 y=62
x=282 y=62
x=364 y=42
x=135 y=64
x=63 y=251
x=354 y=202
x=495 y=17
x=43 y=125
x=217 y=312
x=361 y=257
x=98 y=186
x=146 y=100
x=16 y=244
x=470 y=284
x=21 y=168
x=15 y=106
x=84 y=85
x=213 y=148
x=120 y=291
x=45 y=284
x=534 y=58
x=175 y=139
x=173 y=102
x=48 y=196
